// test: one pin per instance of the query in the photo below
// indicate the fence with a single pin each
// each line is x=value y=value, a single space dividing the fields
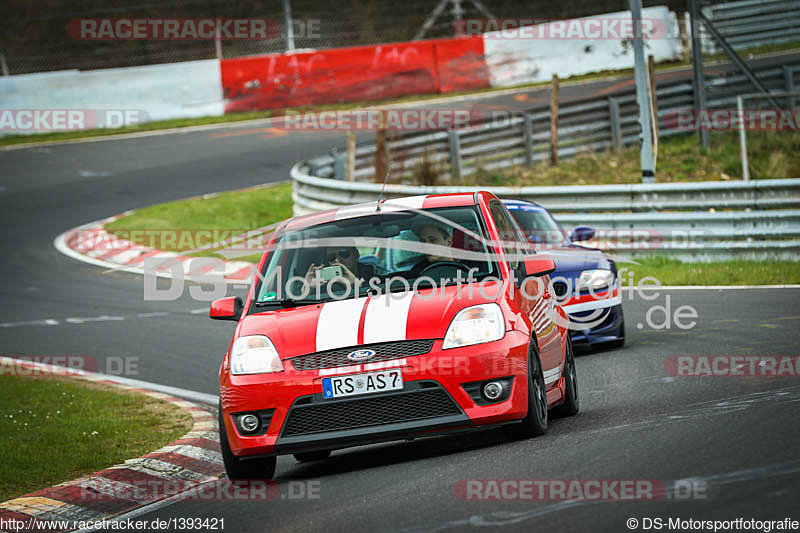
x=591 y=124
x=752 y=23
x=712 y=220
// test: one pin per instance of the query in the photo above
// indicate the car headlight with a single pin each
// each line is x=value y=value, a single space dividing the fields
x=254 y=354
x=475 y=325
x=596 y=279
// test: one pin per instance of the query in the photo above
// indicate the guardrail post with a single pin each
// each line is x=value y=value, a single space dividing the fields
x=788 y=82
x=651 y=75
x=743 y=140
x=339 y=164
x=218 y=42
x=554 y=120
x=381 y=152
x=3 y=65
x=698 y=76
x=455 y=154
x=350 y=171
x=527 y=121
x=616 y=131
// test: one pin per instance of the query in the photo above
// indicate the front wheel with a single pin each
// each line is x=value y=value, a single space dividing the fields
x=571 y=405
x=535 y=422
x=261 y=468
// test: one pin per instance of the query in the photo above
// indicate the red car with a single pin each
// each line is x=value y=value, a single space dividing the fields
x=393 y=320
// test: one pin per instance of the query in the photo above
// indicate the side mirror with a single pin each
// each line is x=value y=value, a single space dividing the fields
x=539 y=265
x=226 y=309
x=581 y=233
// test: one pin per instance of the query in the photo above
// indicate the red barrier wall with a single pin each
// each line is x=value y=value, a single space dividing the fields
x=353 y=74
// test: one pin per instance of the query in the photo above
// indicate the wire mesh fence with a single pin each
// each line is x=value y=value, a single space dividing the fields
x=34 y=37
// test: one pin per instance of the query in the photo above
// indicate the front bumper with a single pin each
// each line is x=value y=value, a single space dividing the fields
x=610 y=329
x=433 y=400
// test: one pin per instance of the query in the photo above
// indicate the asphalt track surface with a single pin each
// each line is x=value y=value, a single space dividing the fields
x=738 y=435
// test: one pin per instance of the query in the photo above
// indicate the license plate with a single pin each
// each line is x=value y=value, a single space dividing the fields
x=385 y=380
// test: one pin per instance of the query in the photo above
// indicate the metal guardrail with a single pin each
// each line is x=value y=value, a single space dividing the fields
x=719 y=220
x=312 y=193
x=591 y=124
x=750 y=23
x=702 y=221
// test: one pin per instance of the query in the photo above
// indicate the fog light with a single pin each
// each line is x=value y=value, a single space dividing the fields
x=493 y=390
x=248 y=423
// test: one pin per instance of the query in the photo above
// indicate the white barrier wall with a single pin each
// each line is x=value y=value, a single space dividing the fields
x=173 y=90
x=513 y=60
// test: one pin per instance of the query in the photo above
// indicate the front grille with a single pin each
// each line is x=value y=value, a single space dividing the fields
x=364 y=412
x=383 y=352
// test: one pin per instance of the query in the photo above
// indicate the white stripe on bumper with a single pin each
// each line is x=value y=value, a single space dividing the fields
x=594 y=304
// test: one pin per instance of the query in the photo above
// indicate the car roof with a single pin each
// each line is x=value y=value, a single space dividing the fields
x=424 y=201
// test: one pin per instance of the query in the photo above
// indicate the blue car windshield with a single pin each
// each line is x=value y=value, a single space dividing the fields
x=539 y=226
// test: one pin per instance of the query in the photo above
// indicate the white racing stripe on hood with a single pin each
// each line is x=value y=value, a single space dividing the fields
x=400 y=204
x=337 y=325
x=391 y=205
x=386 y=318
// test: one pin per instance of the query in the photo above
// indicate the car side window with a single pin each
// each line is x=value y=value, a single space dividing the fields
x=509 y=233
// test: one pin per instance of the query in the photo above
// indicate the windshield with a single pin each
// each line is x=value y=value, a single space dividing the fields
x=389 y=251
x=538 y=226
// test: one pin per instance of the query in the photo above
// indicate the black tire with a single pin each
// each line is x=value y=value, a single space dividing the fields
x=535 y=422
x=571 y=404
x=307 y=457
x=620 y=342
x=261 y=468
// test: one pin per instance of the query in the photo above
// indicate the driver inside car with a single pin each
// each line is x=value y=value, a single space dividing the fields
x=431 y=233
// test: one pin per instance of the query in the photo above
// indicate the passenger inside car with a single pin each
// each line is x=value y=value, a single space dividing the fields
x=344 y=257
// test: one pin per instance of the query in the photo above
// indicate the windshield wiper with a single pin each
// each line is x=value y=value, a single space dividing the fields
x=289 y=302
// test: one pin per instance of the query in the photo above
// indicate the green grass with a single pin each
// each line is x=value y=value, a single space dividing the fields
x=231 y=212
x=680 y=158
x=53 y=430
x=674 y=272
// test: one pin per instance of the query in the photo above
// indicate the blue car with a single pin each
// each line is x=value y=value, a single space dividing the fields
x=585 y=281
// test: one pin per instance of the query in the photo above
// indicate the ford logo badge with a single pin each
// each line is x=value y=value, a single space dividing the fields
x=361 y=355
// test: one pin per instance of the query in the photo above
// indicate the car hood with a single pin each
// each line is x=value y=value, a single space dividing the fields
x=353 y=322
x=577 y=259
